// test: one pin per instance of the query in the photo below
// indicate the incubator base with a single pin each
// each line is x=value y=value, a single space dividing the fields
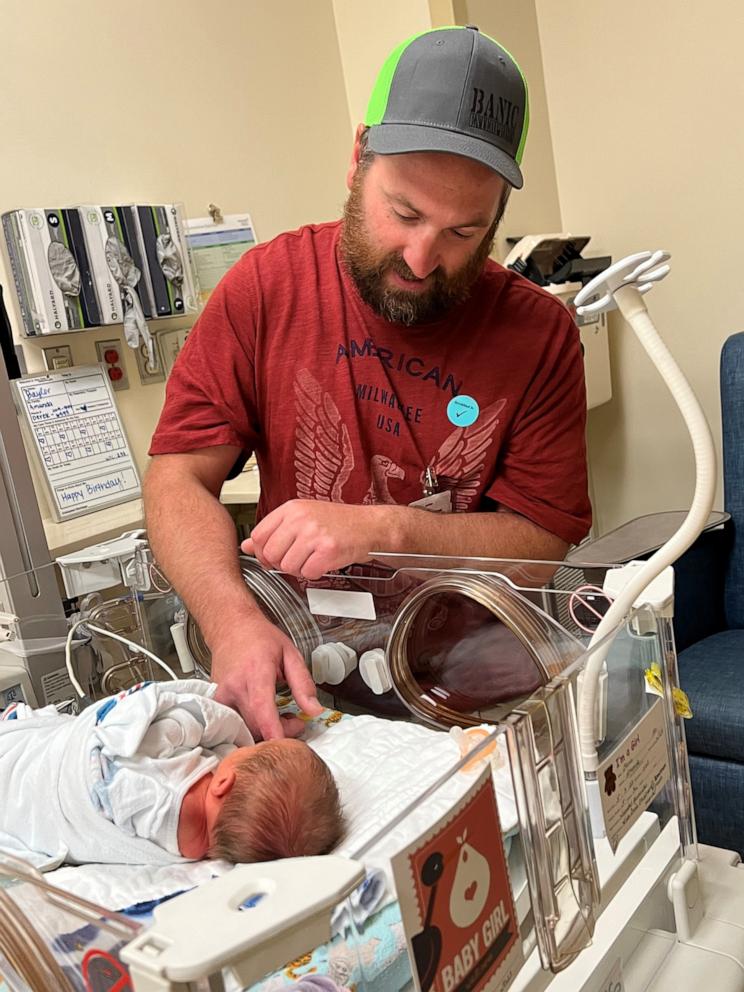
x=637 y=945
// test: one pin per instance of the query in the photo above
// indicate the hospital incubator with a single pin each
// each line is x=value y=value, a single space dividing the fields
x=434 y=879
x=508 y=741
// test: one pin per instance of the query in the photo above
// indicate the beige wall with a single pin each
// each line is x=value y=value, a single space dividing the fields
x=513 y=23
x=367 y=33
x=645 y=106
x=238 y=103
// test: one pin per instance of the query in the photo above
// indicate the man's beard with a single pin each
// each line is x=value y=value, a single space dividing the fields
x=368 y=269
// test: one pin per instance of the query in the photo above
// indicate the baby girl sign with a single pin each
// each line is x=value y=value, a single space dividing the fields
x=456 y=899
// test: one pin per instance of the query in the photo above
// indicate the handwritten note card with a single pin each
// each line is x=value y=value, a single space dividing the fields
x=79 y=439
x=634 y=774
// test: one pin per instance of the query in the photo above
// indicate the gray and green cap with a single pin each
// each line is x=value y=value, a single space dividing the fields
x=452 y=90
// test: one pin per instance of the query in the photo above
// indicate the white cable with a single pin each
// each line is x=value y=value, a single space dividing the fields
x=117 y=637
x=68 y=658
x=633 y=309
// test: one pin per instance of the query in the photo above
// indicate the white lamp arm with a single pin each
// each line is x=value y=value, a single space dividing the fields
x=627 y=297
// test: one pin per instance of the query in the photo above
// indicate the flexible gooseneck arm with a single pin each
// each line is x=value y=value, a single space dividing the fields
x=623 y=286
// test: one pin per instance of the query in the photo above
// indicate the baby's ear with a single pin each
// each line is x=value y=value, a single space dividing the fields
x=222 y=782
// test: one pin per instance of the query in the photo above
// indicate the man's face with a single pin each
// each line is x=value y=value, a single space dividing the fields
x=418 y=228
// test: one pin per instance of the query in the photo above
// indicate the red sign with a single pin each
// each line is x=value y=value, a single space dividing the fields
x=456 y=900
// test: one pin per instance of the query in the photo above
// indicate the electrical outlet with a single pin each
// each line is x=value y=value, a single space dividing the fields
x=57 y=358
x=170 y=343
x=148 y=372
x=112 y=356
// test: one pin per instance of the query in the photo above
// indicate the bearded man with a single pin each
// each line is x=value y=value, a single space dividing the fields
x=380 y=367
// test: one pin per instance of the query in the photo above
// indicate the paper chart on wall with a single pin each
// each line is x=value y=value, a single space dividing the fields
x=216 y=247
x=79 y=439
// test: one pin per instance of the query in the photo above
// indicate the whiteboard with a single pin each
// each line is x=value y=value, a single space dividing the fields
x=79 y=440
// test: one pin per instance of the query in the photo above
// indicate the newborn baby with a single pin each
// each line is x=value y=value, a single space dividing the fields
x=276 y=799
x=158 y=774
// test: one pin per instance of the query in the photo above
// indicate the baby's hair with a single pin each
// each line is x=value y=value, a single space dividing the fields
x=284 y=804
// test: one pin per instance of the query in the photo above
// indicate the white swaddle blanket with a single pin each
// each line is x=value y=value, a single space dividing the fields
x=106 y=786
x=380 y=767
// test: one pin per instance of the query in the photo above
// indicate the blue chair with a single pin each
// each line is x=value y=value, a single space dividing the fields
x=709 y=631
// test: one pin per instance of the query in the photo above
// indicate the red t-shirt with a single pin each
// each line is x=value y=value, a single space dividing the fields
x=340 y=404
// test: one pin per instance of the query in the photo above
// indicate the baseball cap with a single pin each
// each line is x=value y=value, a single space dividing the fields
x=452 y=90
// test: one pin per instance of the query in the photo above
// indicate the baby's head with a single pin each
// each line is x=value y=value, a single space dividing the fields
x=283 y=803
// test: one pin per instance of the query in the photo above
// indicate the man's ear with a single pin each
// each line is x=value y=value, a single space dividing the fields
x=355 y=154
x=222 y=782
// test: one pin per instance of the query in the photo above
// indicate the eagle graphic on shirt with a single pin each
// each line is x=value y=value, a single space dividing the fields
x=324 y=457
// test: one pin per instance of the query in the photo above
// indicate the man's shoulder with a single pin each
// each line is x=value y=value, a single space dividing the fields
x=283 y=266
x=310 y=240
x=517 y=286
x=520 y=292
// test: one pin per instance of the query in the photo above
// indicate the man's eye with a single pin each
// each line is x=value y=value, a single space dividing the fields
x=461 y=236
x=405 y=217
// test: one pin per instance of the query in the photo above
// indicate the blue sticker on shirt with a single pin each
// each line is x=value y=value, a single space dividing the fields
x=462 y=411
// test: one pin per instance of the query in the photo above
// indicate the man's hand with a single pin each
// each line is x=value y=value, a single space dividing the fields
x=308 y=538
x=247 y=664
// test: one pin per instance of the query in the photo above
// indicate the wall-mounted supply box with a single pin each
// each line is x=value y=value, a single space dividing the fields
x=67 y=264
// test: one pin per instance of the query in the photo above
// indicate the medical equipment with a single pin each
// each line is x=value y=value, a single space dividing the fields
x=552 y=826
x=92 y=265
x=555 y=262
x=551 y=259
x=550 y=862
x=15 y=686
x=129 y=632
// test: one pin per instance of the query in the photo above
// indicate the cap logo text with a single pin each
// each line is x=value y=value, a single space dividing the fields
x=496 y=115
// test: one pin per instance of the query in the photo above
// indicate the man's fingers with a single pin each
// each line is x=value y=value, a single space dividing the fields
x=292 y=725
x=255 y=700
x=266 y=719
x=316 y=566
x=293 y=561
x=281 y=543
x=227 y=697
x=263 y=530
x=249 y=548
x=300 y=682
x=263 y=702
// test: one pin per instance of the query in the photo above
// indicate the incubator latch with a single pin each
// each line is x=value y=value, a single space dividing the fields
x=332 y=662
x=373 y=668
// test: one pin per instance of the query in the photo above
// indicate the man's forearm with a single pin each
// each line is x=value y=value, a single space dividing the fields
x=468 y=535
x=194 y=541
x=312 y=537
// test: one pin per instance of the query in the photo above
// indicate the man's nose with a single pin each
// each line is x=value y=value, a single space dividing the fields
x=421 y=254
